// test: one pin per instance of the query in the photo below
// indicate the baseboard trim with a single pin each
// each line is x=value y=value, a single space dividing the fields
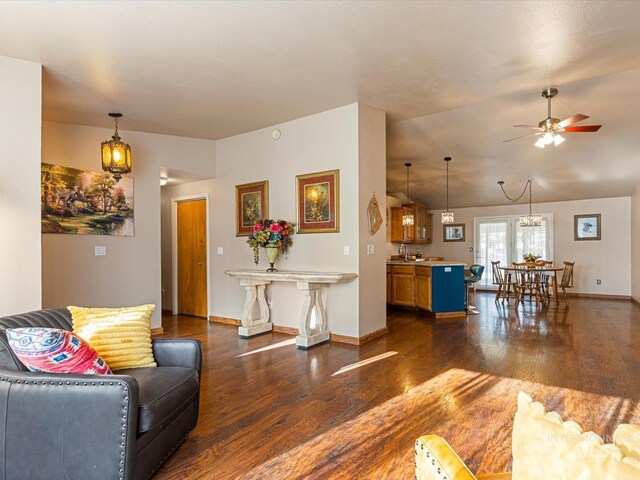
x=157 y=331
x=294 y=331
x=448 y=315
x=287 y=330
x=601 y=296
x=224 y=320
x=360 y=340
x=635 y=301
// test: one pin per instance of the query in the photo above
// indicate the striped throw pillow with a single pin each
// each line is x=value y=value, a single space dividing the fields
x=121 y=336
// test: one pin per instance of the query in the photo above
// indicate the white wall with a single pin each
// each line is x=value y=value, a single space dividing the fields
x=169 y=193
x=608 y=259
x=130 y=273
x=372 y=161
x=635 y=245
x=20 y=136
x=324 y=141
x=351 y=139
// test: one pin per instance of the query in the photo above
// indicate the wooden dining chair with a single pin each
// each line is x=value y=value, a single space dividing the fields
x=527 y=282
x=567 y=280
x=502 y=281
x=545 y=279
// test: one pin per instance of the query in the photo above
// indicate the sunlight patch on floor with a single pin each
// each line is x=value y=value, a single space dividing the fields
x=291 y=341
x=362 y=363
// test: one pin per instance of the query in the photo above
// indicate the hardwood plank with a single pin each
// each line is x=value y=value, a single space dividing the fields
x=269 y=410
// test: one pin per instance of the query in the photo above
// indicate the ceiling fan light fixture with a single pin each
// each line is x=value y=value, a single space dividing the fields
x=540 y=143
x=548 y=138
x=557 y=140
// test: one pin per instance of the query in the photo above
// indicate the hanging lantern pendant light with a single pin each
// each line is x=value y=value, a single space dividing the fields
x=447 y=216
x=530 y=220
x=116 y=155
x=407 y=217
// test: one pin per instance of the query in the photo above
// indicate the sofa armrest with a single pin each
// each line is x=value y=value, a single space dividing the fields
x=67 y=426
x=436 y=460
x=170 y=352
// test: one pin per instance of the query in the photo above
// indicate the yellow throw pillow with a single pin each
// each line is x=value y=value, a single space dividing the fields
x=121 y=336
x=544 y=447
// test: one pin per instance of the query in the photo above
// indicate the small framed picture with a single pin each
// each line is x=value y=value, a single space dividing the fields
x=453 y=232
x=252 y=203
x=318 y=202
x=586 y=227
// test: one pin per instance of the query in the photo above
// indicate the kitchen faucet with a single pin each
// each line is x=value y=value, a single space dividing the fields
x=405 y=255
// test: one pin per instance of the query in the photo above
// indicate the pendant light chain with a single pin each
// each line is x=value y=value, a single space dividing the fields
x=447 y=186
x=514 y=200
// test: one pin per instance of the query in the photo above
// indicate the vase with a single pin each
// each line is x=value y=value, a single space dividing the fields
x=272 y=255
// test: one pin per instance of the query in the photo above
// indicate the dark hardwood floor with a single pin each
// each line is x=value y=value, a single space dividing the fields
x=270 y=411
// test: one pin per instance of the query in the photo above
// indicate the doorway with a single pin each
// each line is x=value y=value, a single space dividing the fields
x=190 y=256
x=503 y=239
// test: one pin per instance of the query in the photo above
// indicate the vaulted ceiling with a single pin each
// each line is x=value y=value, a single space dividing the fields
x=453 y=76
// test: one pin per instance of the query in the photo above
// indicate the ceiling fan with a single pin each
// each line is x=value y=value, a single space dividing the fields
x=550 y=128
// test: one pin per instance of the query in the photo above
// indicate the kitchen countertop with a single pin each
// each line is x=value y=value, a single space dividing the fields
x=427 y=263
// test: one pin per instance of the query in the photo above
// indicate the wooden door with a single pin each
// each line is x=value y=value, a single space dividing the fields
x=192 y=258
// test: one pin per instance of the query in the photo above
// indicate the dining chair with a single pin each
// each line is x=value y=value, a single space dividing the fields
x=545 y=279
x=567 y=280
x=527 y=280
x=503 y=281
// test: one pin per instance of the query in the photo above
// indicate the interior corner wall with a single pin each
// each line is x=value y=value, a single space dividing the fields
x=635 y=245
x=372 y=179
x=316 y=143
x=20 y=137
x=130 y=273
x=608 y=259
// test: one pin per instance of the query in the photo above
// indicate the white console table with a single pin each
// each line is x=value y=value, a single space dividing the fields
x=312 y=285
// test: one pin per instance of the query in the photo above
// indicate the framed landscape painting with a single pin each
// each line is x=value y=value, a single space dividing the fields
x=586 y=227
x=82 y=202
x=318 y=202
x=453 y=232
x=252 y=203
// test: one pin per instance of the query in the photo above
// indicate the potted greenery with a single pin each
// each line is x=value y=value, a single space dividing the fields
x=272 y=235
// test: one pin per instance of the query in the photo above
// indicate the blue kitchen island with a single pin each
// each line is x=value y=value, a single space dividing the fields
x=435 y=286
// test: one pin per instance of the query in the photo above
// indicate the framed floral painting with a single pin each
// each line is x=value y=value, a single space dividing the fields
x=252 y=203
x=318 y=202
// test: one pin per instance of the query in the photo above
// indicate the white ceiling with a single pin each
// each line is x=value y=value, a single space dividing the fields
x=453 y=77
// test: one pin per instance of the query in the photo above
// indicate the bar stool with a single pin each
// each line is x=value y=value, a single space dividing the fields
x=475 y=275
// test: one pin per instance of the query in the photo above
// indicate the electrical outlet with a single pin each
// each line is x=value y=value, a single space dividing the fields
x=598 y=282
x=371 y=249
x=100 y=251
x=220 y=250
x=346 y=250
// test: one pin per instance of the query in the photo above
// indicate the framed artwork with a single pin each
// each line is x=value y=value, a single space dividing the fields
x=252 y=203
x=453 y=232
x=586 y=227
x=318 y=202
x=82 y=202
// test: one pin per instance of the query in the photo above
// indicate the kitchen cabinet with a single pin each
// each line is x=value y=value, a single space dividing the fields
x=402 y=285
x=418 y=233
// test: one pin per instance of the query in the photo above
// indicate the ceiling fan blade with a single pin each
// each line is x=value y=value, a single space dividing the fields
x=527 y=126
x=578 y=117
x=523 y=136
x=584 y=128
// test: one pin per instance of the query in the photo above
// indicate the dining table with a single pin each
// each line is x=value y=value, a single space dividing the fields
x=552 y=270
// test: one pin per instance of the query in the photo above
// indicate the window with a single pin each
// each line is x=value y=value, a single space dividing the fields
x=503 y=239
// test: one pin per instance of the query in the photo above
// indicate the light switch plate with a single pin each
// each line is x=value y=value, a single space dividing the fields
x=100 y=251
x=220 y=250
x=346 y=249
x=371 y=249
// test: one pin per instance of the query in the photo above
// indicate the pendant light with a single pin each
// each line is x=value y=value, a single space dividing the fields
x=529 y=220
x=407 y=217
x=447 y=216
x=116 y=155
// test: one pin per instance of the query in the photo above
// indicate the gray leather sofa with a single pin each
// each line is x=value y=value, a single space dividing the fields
x=65 y=426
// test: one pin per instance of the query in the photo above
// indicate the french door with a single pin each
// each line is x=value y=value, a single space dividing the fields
x=503 y=239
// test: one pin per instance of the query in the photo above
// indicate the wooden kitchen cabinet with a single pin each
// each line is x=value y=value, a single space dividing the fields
x=418 y=233
x=403 y=285
x=423 y=288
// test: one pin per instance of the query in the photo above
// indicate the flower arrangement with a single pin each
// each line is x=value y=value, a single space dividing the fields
x=530 y=257
x=270 y=232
